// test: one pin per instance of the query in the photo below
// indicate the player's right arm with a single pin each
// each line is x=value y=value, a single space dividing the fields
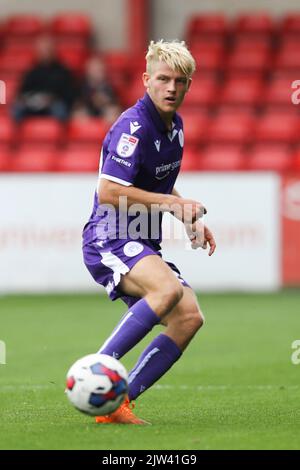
x=186 y=210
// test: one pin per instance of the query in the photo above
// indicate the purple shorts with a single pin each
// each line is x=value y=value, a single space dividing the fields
x=108 y=260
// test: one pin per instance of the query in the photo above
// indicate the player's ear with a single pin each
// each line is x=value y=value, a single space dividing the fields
x=189 y=84
x=146 y=78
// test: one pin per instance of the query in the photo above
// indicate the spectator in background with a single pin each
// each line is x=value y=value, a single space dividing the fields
x=97 y=97
x=48 y=88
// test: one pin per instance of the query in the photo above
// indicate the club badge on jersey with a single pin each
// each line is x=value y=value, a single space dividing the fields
x=127 y=145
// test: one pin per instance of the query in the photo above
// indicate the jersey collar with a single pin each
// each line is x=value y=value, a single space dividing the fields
x=155 y=116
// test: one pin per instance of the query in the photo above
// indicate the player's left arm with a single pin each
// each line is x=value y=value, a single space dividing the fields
x=199 y=233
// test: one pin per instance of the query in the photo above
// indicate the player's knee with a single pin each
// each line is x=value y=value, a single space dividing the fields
x=199 y=320
x=171 y=293
x=193 y=321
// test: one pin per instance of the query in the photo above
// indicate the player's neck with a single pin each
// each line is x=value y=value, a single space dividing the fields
x=167 y=119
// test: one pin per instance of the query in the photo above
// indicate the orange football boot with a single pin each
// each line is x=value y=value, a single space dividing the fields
x=123 y=415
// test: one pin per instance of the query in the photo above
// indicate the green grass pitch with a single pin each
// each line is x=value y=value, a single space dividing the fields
x=234 y=388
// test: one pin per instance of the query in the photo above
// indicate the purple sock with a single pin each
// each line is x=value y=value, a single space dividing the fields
x=135 y=324
x=154 y=362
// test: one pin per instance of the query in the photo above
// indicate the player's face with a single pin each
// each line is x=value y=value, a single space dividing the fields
x=166 y=87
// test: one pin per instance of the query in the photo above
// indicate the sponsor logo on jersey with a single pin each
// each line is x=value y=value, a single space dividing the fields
x=127 y=145
x=164 y=170
x=121 y=161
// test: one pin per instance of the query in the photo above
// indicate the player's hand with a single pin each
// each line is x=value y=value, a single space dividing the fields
x=188 y=210
x=201 y=237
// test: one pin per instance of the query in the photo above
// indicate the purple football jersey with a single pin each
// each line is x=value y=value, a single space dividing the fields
x=140 y=151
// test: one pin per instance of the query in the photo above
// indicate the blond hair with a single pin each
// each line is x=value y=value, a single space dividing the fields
x=174 y=53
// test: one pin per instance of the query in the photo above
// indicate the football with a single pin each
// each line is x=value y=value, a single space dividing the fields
x=97 y=384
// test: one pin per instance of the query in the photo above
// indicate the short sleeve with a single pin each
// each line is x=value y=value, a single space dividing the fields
x=121 y=155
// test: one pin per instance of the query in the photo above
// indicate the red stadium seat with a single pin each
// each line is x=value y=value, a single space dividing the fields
x=137 y=65
x=254 y=24
x=209 y=59
x=36 y=130
x=84 y=159
x=278 y=92
x=133 y=92
x=236 y=109
x=203 y=92
x=72 y=25
x=5 y=159
x=284 y=73
x=231 y=128
x=37 y=146
x=119 y=73
x=289 y=42
x=206 y=43
x=73 y=59
x=33 y=161
x=190 y=159
x=16 y=42
x=72 y=41
x=270 y=157
x=234 y=74
x=256 y=59
x=296 y=160
x=19 y=48
x=65 y=47
x=23 y=25
x=288 y=58
x=290 y=24
x=87 y=130
x=195 y=127
x=7 y=130
x=206 y=25
x=4 y=111
x=222 y=158
x=16 y=63
x=278 y=127
x=116 y=61
x=241 y=91
x=246 y=43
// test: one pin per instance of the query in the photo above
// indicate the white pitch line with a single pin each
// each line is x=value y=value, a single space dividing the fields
x=225 y=387
x=28 y=387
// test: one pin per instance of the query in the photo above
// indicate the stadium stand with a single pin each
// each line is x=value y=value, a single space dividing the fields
x=238 y=113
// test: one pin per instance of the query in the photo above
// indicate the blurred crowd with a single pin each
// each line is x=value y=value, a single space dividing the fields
x=49 y=88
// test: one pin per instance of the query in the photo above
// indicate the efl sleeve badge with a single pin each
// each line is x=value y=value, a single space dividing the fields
x=127 y=145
